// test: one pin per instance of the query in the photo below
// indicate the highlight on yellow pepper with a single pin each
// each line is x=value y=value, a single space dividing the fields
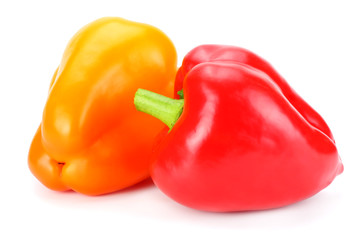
x=91 y=138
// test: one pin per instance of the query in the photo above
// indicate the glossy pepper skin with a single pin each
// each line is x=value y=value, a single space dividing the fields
x=210 y=53
x=240 y=144
x=91 y=139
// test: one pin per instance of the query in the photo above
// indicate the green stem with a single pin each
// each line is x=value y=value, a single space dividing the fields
x=166 y=109
x=181 y=93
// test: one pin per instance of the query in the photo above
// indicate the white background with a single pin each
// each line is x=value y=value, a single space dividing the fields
x=313 y=44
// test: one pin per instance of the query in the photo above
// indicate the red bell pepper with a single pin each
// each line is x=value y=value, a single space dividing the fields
x=241 y=139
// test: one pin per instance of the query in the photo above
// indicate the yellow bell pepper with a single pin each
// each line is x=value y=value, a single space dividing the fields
x=91 y=139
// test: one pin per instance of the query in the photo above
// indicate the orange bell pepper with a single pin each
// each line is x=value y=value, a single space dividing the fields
x=91 y=139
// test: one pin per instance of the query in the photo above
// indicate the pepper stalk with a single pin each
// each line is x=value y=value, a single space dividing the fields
x=166 y=109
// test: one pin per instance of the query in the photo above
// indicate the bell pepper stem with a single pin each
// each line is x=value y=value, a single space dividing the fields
x=166 y=109
x=181 y=94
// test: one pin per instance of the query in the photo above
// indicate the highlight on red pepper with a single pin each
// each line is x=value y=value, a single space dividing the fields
x=91 y=138
x=241 y=139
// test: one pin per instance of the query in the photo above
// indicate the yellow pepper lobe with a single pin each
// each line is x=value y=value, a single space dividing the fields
x=103 y=65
